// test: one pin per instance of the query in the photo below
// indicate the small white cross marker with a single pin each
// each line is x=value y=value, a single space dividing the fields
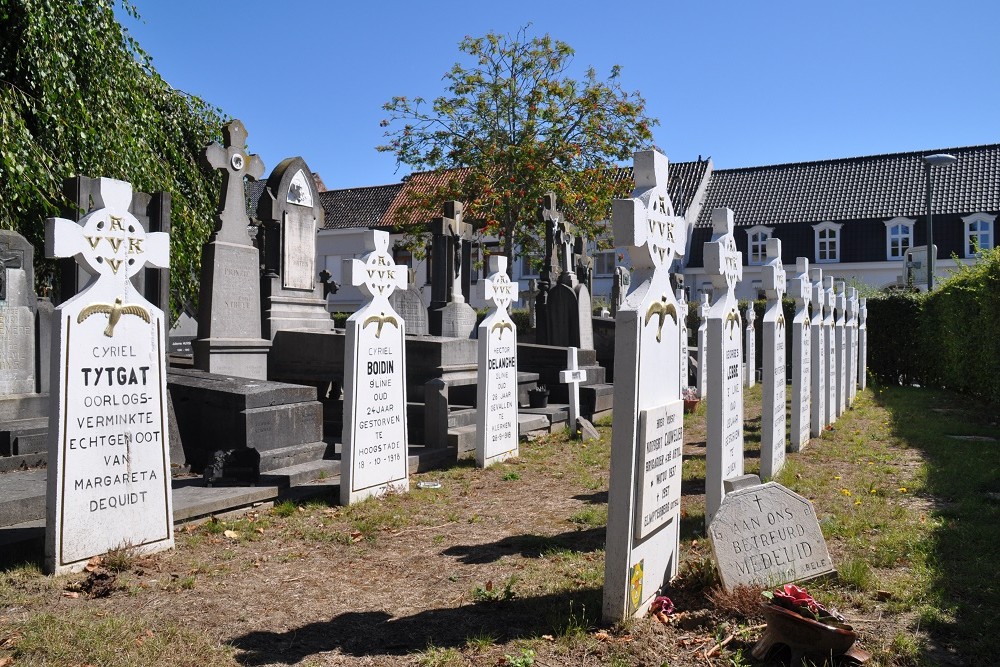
x=573 y=376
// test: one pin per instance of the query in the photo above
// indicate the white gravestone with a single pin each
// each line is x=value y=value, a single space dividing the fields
x=573 y=376
x=109 y=459
x=800 y=289
x=724 y=442
x=496 y=419
x=840 y=336
x=772 y=421
x=374 y=458
x=768 y=535
x=682 y=313
x=750 y=347
x=830 y=360
x=702 y=376
x=852 y=345
x=820 y=370
x=863 y=344
x=643 y=533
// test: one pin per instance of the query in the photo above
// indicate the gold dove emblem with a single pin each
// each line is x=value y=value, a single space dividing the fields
x=661 y=308
x=781 y=320
x=381 y=320
x=733 y=322
x=501 y=326
x=114 y=312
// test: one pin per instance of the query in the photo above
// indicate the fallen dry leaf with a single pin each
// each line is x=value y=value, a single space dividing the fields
x=232 y=534
x=4 y=662
x=356 y=536
x=71 y=595
x=93 y=564
x=602 y=636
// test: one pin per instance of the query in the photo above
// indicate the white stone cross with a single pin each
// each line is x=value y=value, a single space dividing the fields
x=108 y=243
x=232 y=220
x=573 y=376
x=774 y=271
x=377 y=275
x=498 y=290
x=799 y=286
x=723 y=262
x=647 y=224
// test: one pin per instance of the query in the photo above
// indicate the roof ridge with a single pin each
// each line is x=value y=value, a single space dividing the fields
x=862 y=158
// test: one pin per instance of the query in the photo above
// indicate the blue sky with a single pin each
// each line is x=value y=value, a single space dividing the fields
x=745 y=82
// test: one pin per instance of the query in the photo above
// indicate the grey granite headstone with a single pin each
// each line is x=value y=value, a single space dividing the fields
x=449 y=313
x=409 y=303
x=17 y=315
x=290 y=213
x=229 y=332
x=766 y=536
x=569 y=317
x=184 y=331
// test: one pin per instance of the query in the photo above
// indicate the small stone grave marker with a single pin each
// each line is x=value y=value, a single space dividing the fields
x=109 y=456
x=820 y=370
x=573 y=376
x=767 y=535
x=840 y=337
x=374 y=458
x=750 y=347
x=702 y=376
x=800 y=289
x=17 y=315
x=829 y=354
x=863 y=344
x=644 y=496
x=724 y=441
x=852 y=345
x=496 y=419
x=682 y=314
x=772 y=422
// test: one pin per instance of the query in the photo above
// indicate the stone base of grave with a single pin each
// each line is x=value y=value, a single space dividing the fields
x=24 y=427
x=283 y=311
x=454 y=320
x=244 y=428
x=239 y=357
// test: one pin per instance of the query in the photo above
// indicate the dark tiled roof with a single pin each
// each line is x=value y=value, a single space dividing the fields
x=875 y=186
x=359 y=207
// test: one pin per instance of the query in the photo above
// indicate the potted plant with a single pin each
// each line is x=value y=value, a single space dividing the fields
x=691 y=399
x=538 y=397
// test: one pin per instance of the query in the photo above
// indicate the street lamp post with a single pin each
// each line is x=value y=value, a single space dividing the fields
x=938 y=159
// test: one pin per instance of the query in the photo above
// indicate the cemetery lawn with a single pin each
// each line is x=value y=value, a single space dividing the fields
x=505 y=566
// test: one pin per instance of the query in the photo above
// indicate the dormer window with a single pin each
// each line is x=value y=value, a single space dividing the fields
x=979 y=233
x=898 y=237
x=757 y=237
x=827 y=241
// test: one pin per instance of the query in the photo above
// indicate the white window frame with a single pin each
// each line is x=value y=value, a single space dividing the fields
x=833 y=228
x=525 y=263
x=890 y=225
x=980 y=220
x=759 y=257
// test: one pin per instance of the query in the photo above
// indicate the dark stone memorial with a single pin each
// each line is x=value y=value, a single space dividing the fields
x=290 y=213
x=229 y=333
x=451 y=257
x=568 y=311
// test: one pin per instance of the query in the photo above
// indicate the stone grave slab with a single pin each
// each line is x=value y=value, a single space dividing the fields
x=800 y=289
x=767 y=535
x=109 y=456
x=750 y=347
x=496 y=418
x=840 y=345
x=702 y=375
x=820 y=371
x=851 y=332
x=863 y=344
x=724 y=442
x=374 y=458
x=409 y=303
x=17 y=315
x=643 y=533
x=682 y=315
x=830 y=352
x=772 y=421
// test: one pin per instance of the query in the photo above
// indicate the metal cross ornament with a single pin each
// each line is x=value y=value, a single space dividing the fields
x=646 y=223
x=232 y=221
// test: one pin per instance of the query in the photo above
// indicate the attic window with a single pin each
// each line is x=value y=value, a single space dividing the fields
x=979 y=233
x=757 y=237
x=898 y=237
x=827 y=241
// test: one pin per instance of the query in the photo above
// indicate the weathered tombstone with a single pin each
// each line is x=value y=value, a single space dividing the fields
x=374 y=458
x=181 y=334
x=767 y=535
x=863 y=344
x=290 y=213
x=682 y=314
x=750 y=347
x=702 y=376
x=619 y=288
x=530 y=295
x=17 y=315
x=550 y=217
x=840 y=336
x=109 y=456
x=409 y=303
x=800 y=289
x=449 y=313
x=851 y=332
x=772 y=421
x=724 y=441
x=573 y=376
x=229 y=334
x=643 y=533
x=830 y=356
x=569 y=312
x=820 y=369
x=496 y=418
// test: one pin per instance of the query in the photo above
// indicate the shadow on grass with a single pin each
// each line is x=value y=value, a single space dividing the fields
x=529 y=546
x=963 y=481
x=374 y=633
x=596 y=498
